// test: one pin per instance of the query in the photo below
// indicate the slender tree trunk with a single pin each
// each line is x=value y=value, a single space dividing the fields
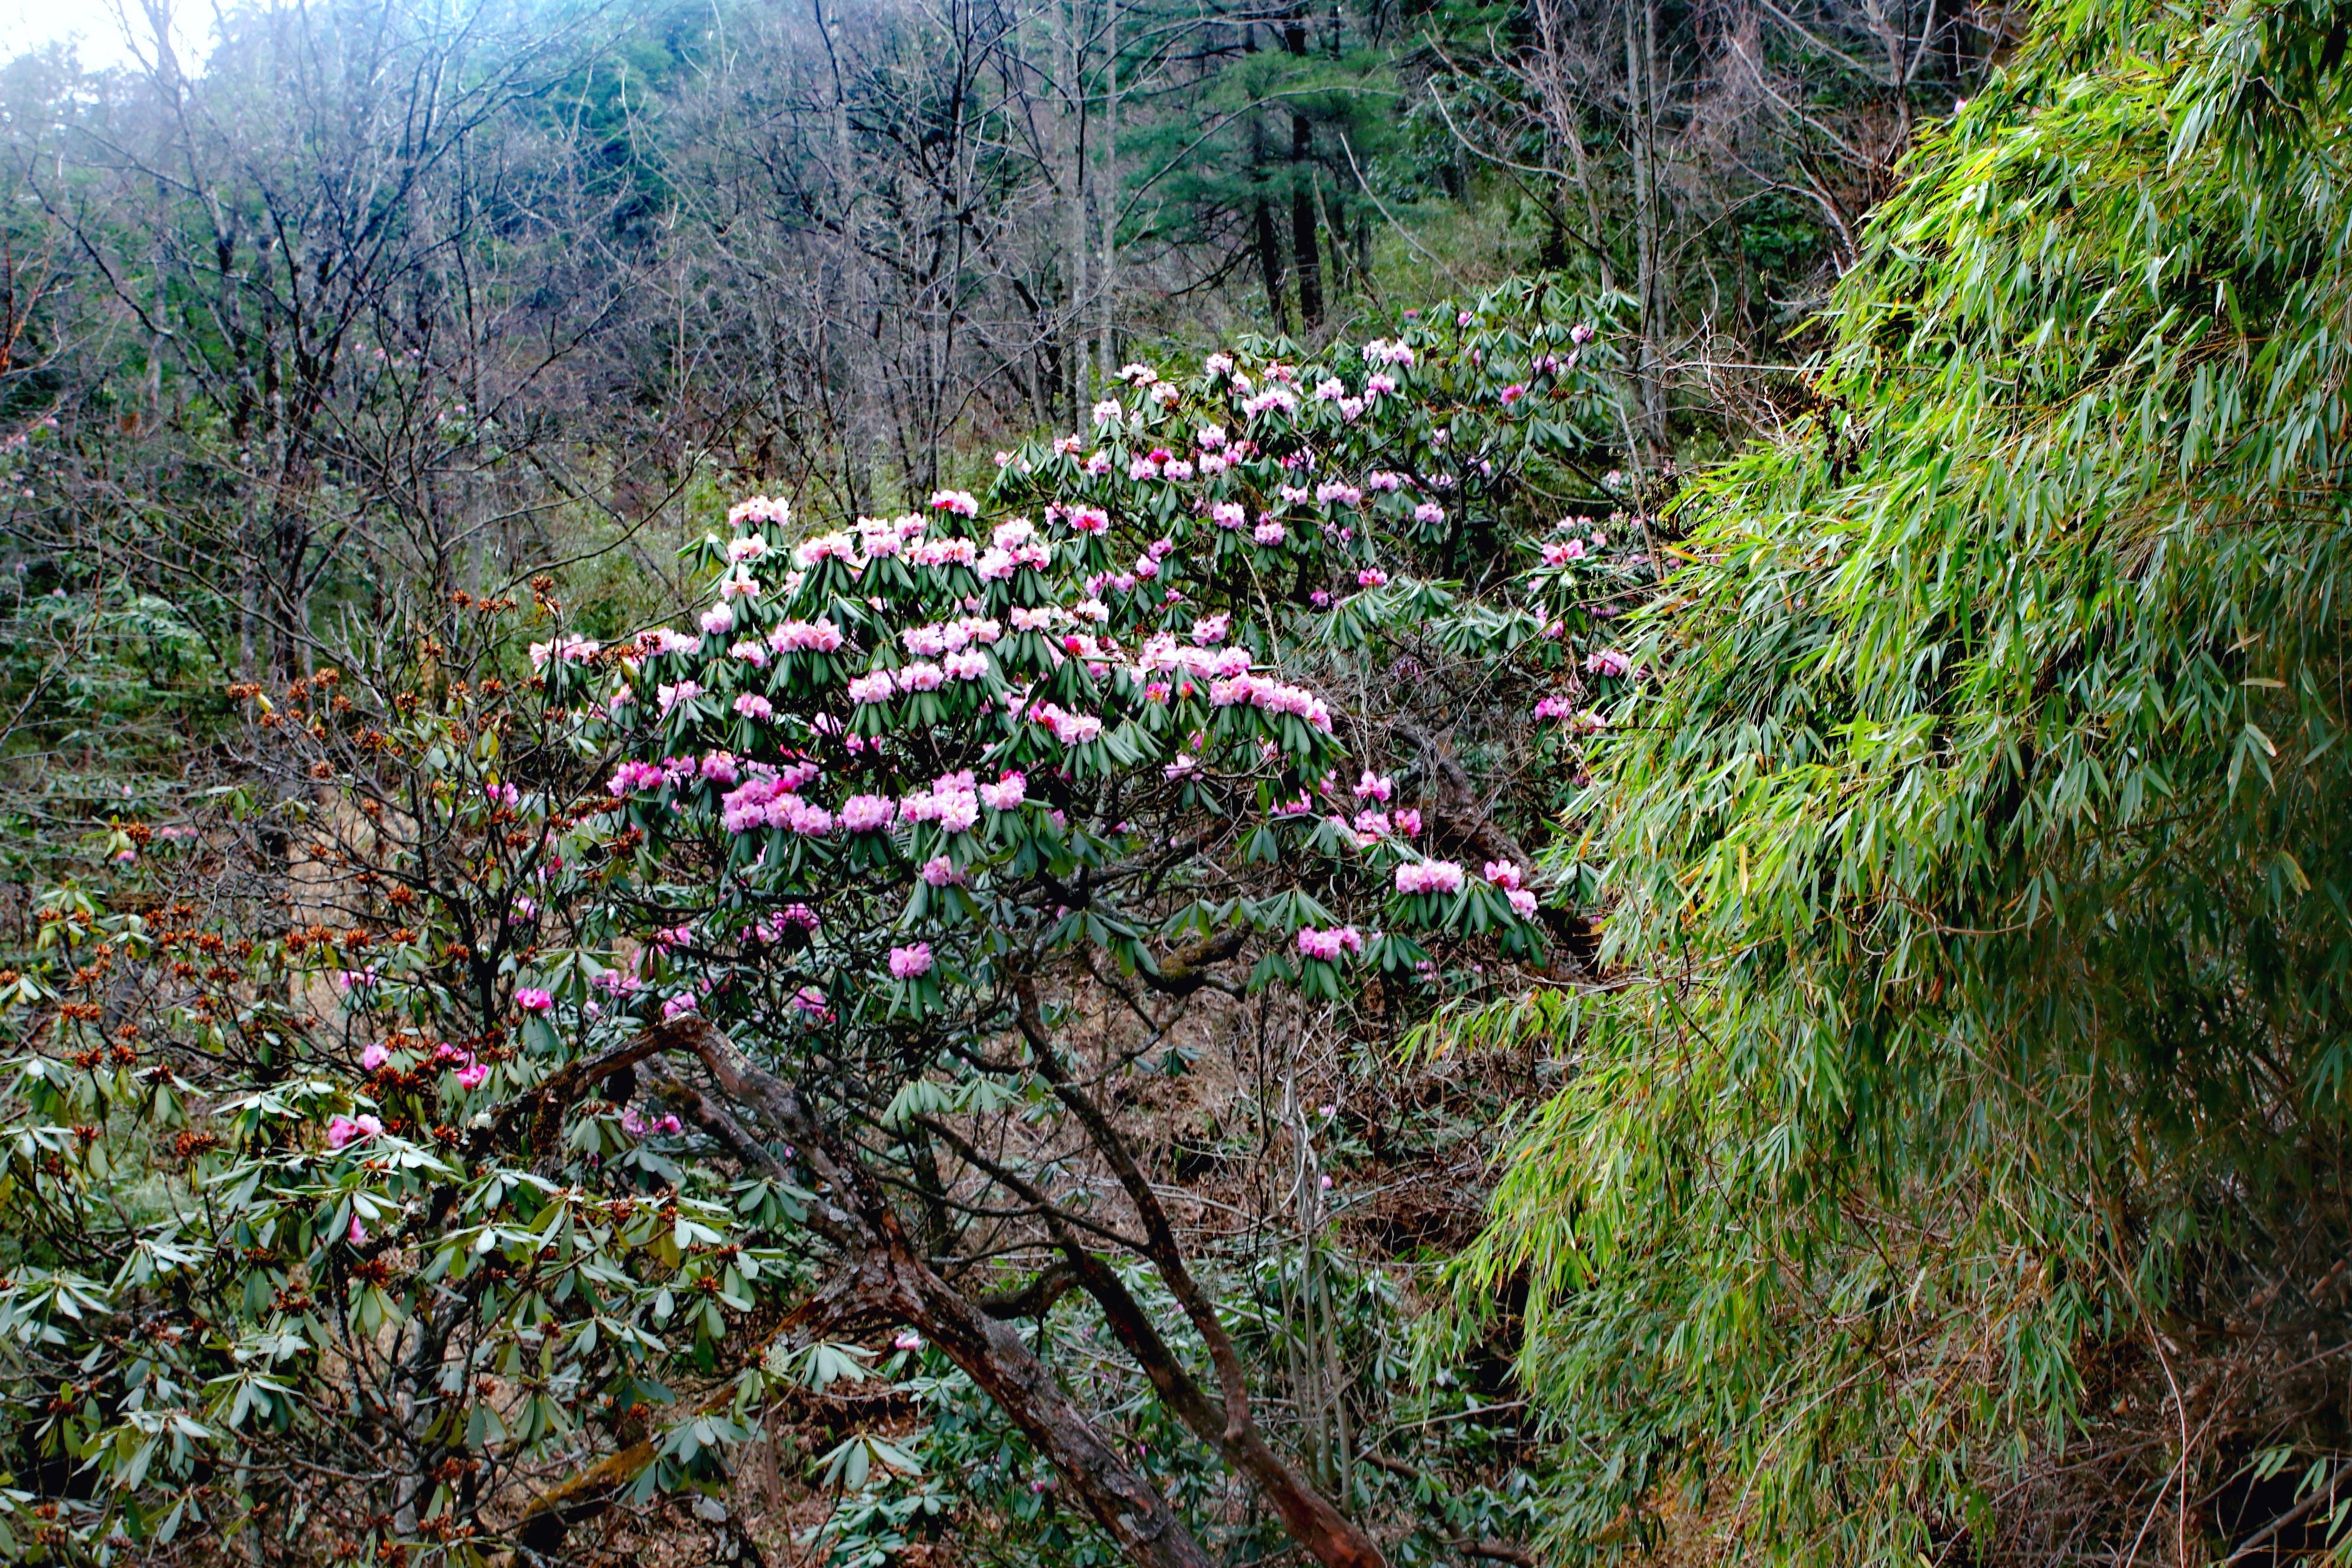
x=1072 y=66
x=1268 y=240
x=1312 y=1519
x=1305 y=250
x=1640 y=91
x=1107 y=194
x=1128 y=1508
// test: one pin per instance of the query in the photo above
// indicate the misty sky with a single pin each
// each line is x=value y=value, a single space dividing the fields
x=28 y=23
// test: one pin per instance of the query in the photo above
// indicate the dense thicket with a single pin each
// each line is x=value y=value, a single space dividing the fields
x=1954 y=1167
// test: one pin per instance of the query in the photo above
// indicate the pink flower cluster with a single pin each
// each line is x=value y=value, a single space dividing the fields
x=568 y=649
x=1327 y=946
x=1505 y=875
x=806 y=637
x=1429 y=876
x=946 y=552
x=632 y=776
x=1273 y=696
x=768 y=801
x=951 y=802
x=346 y=1130
x=1070 y=729
x=759 y=510
x=906 y=962
x=833 y=546
x=666 y=640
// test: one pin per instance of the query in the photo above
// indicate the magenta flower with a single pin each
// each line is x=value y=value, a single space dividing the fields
x=906 y=962
x=346 y=1130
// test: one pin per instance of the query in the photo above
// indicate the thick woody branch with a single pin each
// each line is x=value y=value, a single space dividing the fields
x=884 y=1278
x=1312 y=1519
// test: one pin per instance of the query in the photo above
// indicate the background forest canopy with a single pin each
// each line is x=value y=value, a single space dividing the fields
x=1130 y=781
x=375 y=294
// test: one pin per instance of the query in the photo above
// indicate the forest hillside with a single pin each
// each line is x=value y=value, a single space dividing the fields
x=1141 y=782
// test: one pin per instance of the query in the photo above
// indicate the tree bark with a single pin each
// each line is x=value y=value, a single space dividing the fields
x=1268 y=241
x=1641 y=92
x=1306 y=250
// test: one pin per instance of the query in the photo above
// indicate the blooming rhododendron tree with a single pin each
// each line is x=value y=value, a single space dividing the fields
x=918 y=781
x=790 y=965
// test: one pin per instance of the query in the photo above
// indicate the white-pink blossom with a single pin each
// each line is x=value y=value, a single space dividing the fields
x=1429 y=876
